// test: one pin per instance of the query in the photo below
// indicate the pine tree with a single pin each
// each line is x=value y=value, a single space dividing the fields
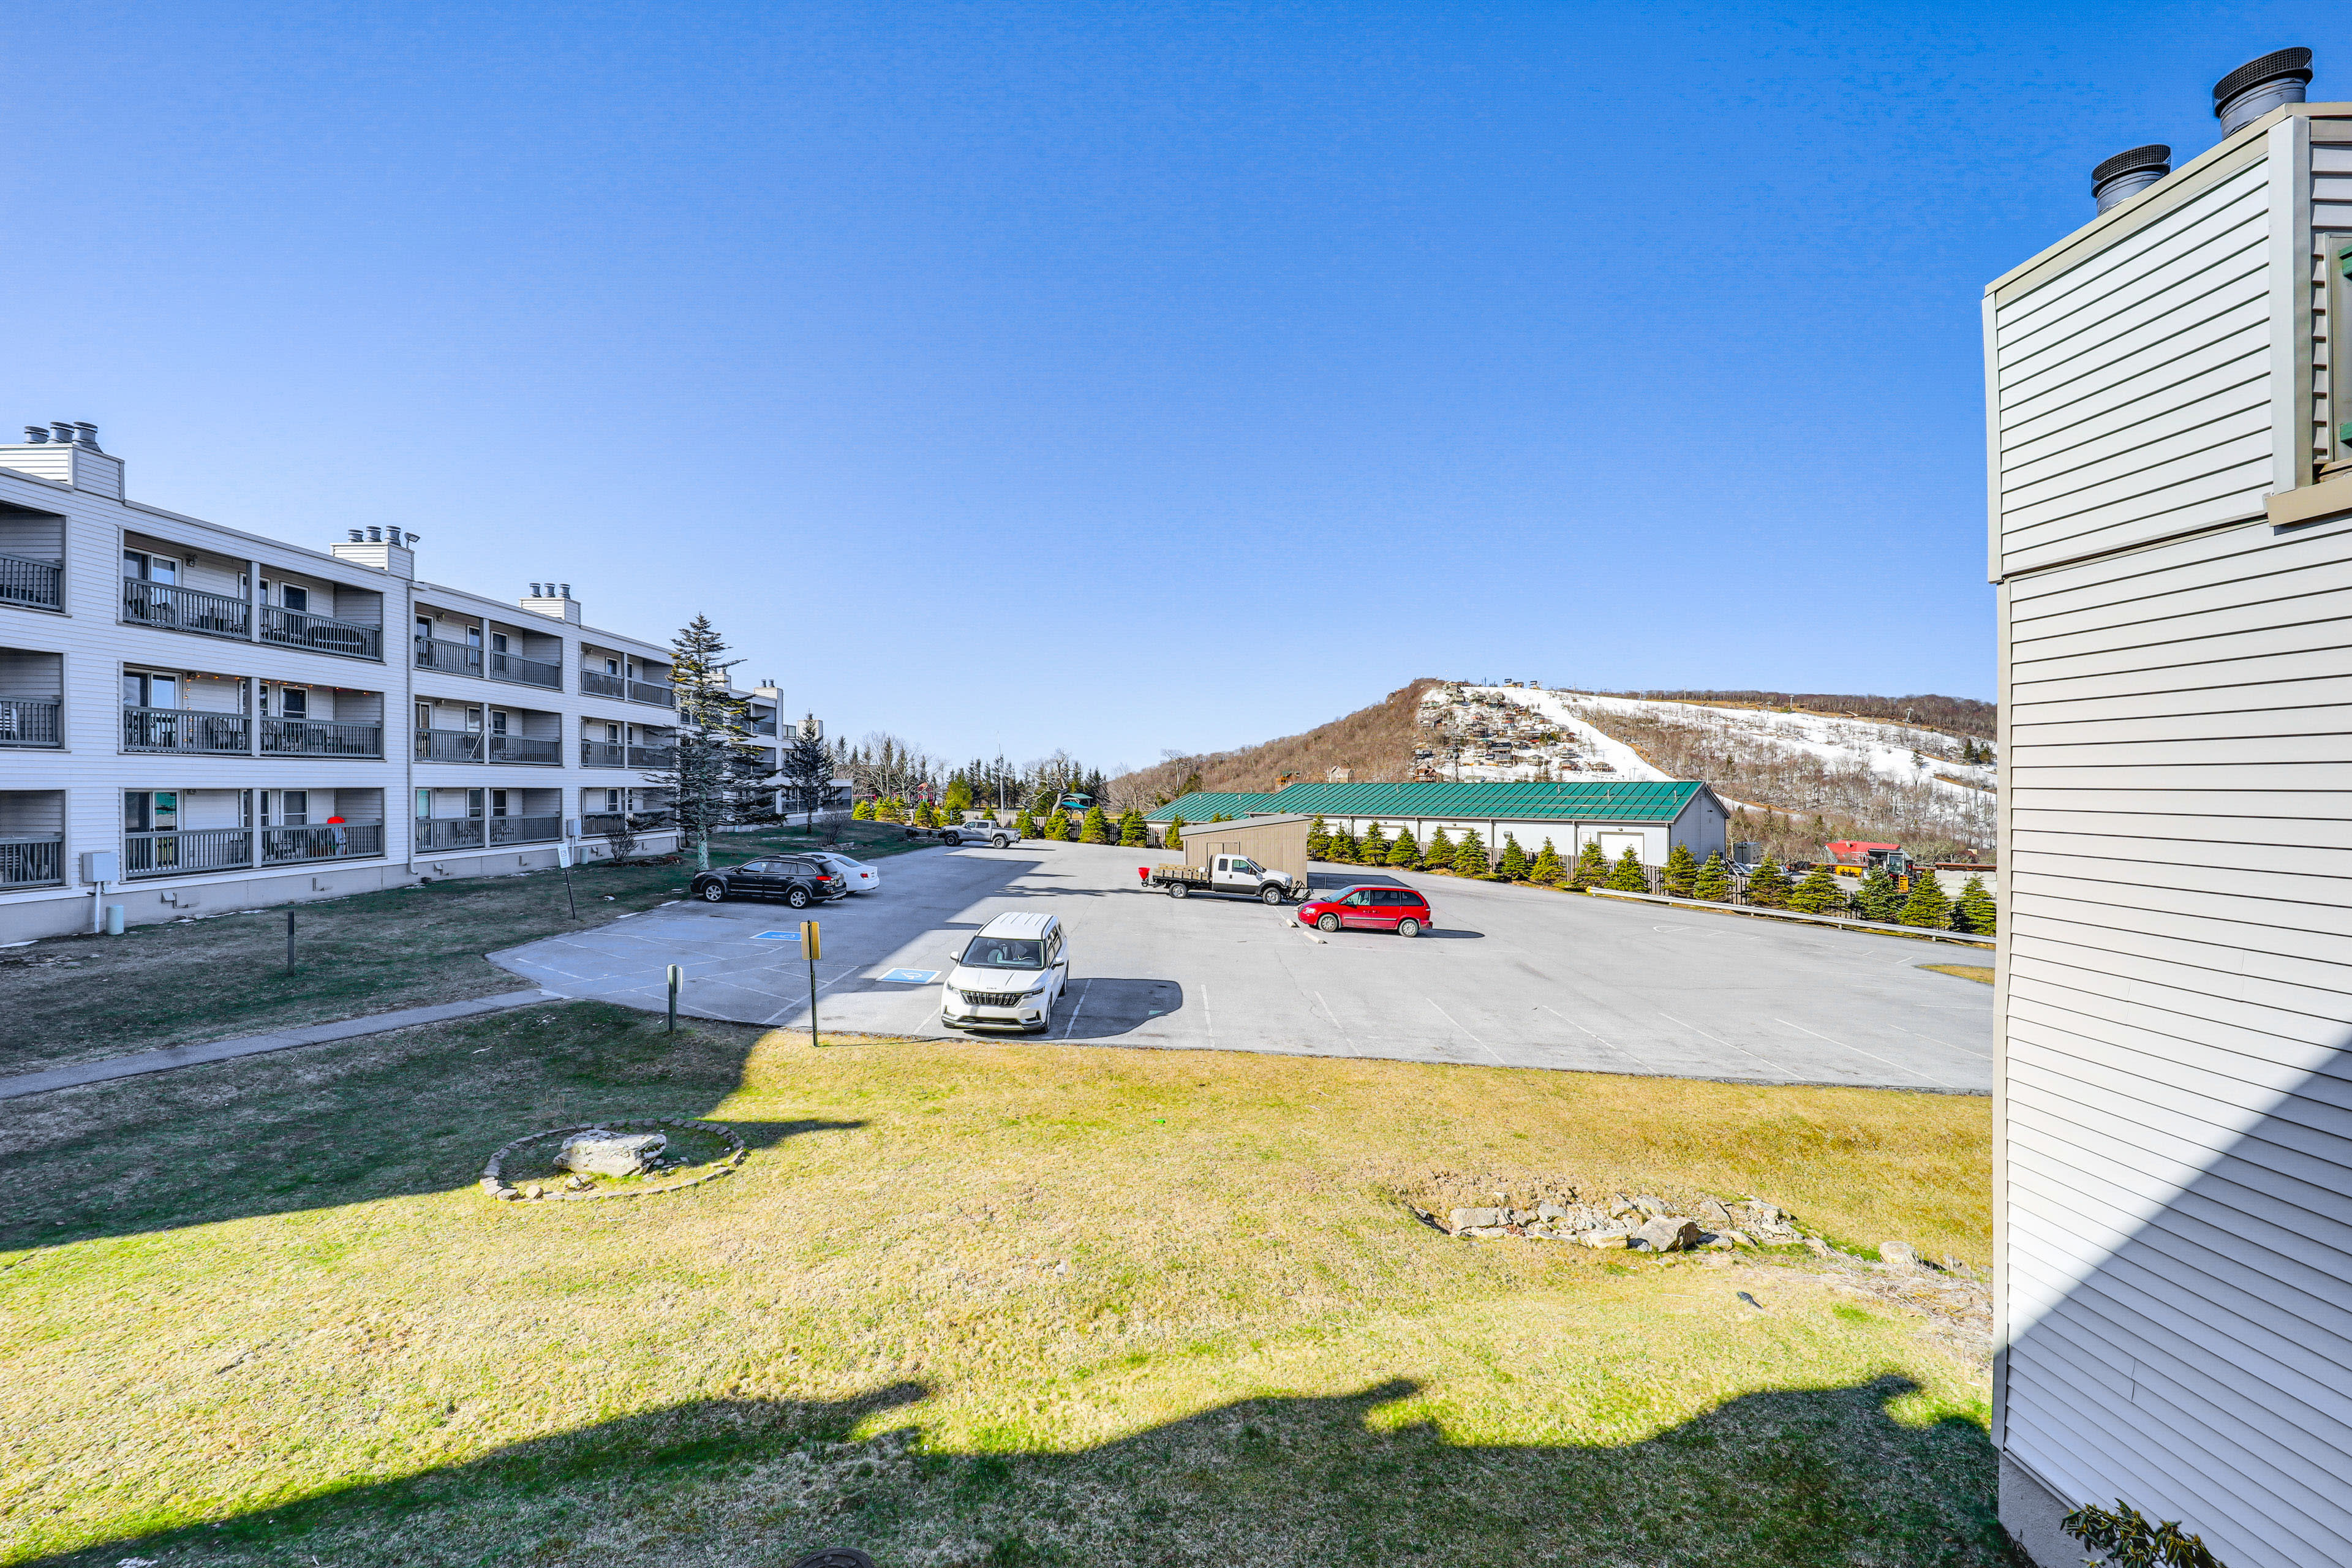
x=1630 y=877
x=708 y=775
x=1023 y=825
x=1713 y=882
x=1057 y=825
x=1403 y=850
x=1372 y=848
x=1339 y=846
x=1591 y=868
x=1439 y=855
x=1927 y=905
x=1682 y=871
x=1819 y=893
x=862 y=812
x=1547 y=869
x=1975 y=911
x=924 y=815
x=1470 y=857
x=1132 y=832
x=1878 y=898
x=1319 y=839
x=1174 y=838
x=1095 y=829
x=1512 y=867
x=1043 y=801
x=1768 y=886
x=958 y=800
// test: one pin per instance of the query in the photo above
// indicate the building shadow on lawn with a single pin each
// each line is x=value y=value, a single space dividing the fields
x=388 y=1116
x=1789 y=1478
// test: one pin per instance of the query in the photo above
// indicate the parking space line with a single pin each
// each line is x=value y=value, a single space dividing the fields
x=1482 y=1044
x=1079 y=1009
x=1719 y=1040
x=1607 y=1045
x=1334 y=1018
x=1857 y=1050
x=1963 y=1050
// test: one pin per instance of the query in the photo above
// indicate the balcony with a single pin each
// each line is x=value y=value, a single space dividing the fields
x=596 y=683
x=662 y=758
x=24 y=581
x=445 y=833
x=32 y=859
x=764 y=725
x=191 y=850
x=602 y=824
x=186 y=730
x=646 y=691
x=177 y=609
x=320 y=738
x=603 y=754
x=30 y=721
x=450 y=657
x=335 y=841
x=321 y=633
x=526 y=749
x=449 y=745
x=523 y=671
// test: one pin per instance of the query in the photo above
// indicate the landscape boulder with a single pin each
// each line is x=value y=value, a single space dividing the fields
x=597 y=1152
x=1897 y=1255
x=1667 y=1233
x=1469 y=1219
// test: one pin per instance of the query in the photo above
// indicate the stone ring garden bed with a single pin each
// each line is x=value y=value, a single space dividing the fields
x=512 y=1175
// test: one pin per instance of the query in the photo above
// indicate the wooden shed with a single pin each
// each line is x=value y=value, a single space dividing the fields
x=1276 y=843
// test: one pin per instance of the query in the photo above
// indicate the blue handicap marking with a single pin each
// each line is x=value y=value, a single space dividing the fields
x=912 y=977
x=775 y=936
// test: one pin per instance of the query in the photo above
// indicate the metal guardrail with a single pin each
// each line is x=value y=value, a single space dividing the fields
x=320 y=738
x=450 y=658
x=596 y=683
x=24 y=581
x=186 y=730
x=444 y=832
x=188 y=850
x=763 y=726
x=603 y=754
x=662 y=758
x=30 y=721
x=526 y=749
x=31 y=860
x=321 y=633
x=646 y=691
x=448 y=745
x=515 y=667
x=178 y=609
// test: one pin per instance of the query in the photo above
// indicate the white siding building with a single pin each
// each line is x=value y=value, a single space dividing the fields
x=240 y=721
x=2171 y=534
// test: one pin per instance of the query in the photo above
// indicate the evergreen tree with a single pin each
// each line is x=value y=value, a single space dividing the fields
x=1319 y=839
x=862 y=812
x=1339 y=846
x=1470 y=857
x=1547 y=869
x=1132 y=832
x=1630 y=877
x=1403 y=850
x=1043 y=801
x=1591 y=868
x=1174 y=838
x=1925 y=905
x=1372 y=848
x=1192 y=784
x=1682 y=871
x=1095 y=829
x=708 y=775
x=958 y=800
x=808 y=774
x=1439 y=855
x=1057 y=825
x=1975 y=911
x=1878 y=898
x=1819 y=893
x=1512 y=867
x=1713 y=882
x=1768 y=886
x=1023 y=825
x=924 y=815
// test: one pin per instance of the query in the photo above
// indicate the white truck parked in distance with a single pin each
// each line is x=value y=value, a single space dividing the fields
x=1237 y=875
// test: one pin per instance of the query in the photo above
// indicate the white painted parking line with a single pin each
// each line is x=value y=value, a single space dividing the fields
x=1481 y=1044
x=1963 y=1050
x=1857 y=1050
x=1079 y=1009
x=1719 y=1040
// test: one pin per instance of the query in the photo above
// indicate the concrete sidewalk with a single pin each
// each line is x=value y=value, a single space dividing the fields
x=255 y=1044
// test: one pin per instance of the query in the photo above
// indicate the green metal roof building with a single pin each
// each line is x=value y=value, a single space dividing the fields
x=1653 y=817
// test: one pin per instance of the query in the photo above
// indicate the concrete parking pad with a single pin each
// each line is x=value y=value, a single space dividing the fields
x=1511 y=977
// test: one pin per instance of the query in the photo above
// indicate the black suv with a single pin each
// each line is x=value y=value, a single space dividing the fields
x=798 y=882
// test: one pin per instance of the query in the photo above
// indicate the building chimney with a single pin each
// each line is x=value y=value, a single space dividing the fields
x=61 y=431
x=87 y=433
x=2128 y=174
x=37 y=435
x=2256 y=88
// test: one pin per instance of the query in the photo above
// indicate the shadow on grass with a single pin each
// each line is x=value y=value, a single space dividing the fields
x=387 y=1116
x=1790 y=1478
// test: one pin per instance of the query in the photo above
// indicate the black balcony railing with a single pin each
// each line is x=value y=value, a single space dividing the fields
x=187 y=849
x=646 y=691
x=321 y=633
x=526 y=749
x=660 y=757
x=445 y=833
x=603 y=754
x=24 y=581
x=179 y=609
x=524 y=672
x=450 y=658
x=598 y=824
x=596 y=683
x=29 y=722
x=320 y=738
x=184 y=730
x=331 y=841
x=449 y=745
x=32 y=859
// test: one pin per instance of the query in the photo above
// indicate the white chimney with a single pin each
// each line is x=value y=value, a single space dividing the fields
x=386 y=550
x=553 y=600
x=65 y=452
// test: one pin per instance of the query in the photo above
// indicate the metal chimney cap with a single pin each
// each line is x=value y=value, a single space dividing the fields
x=2279 y=65
x=2154 y=155
x=37 y=435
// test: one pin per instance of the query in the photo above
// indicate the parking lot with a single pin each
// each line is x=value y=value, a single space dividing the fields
x=1511 y=977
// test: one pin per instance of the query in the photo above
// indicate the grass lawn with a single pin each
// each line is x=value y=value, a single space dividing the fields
x=78 y=998
x=1980 y=973
x=966 y=1303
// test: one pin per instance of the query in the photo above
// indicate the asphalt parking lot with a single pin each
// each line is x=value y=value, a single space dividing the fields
x=1510 y=976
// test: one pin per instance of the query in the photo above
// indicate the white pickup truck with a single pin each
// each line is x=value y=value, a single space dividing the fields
x=1236 y=875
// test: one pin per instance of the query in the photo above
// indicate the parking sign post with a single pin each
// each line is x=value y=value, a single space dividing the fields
x=676 y=976
x=810 y=948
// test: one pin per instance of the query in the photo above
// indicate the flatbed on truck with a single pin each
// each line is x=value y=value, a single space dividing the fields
x=1234 y=876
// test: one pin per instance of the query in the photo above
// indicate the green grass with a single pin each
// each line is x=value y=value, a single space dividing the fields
x=966 y=1303
x=1980 y=973
x=79 y=998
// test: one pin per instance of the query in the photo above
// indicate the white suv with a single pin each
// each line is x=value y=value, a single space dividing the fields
x=1009 y=975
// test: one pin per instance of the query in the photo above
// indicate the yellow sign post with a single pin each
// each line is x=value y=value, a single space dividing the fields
x=811 y=945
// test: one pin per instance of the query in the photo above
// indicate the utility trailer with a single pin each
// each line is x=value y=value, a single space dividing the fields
x=1236 y=876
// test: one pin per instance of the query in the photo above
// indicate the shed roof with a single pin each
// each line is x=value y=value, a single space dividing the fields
x=1512 y=800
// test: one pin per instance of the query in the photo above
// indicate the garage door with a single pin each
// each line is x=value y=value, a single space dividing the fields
x=1614 y=845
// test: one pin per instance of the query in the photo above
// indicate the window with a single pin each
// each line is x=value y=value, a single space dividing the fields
x=142 y=689
x=1357 y=899
x=497 y=803
x=150 y=811
x=1243 y=863
x=497 y=642
x=611 y=666
x=423 y=717
x=423 y=802
x=498 y=721
x=473 y=803
x=294 y=701
x=294 y=598
x=423 y=628
x=151 y=568
x=613 y=734
x=473 y=721
x=293 y=807
x=611 y=800
x=474 y=637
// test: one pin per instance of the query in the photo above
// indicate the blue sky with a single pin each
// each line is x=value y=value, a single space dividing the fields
x=1108 y=377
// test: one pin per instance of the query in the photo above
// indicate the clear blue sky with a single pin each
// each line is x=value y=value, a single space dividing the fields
x=1114 y=377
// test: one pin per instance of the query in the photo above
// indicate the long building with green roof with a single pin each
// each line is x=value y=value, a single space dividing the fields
x=1651 y=816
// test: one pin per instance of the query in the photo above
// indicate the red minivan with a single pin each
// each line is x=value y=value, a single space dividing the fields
x=1400 y=910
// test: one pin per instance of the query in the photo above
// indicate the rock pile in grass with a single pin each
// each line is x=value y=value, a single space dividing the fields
x=1638 y=1224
